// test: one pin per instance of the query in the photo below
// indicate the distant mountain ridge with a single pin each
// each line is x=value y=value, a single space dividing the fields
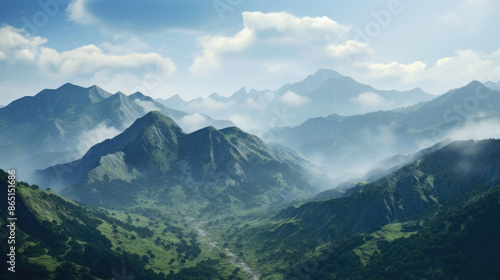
x=55 y=125
x=319 y=95
x=493 y=85
x=226 y=164
x=354 y=141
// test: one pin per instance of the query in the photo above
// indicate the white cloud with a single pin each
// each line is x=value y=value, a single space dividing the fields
x=272 y=30
x=292 y=99
x=246 y=121
x=89 y=138
x=193 y=122
x=18 y=45
x=295 y=28
x=397 y=69
x=370 y=101
x=444 y=74
x=77 y=12
x=147 y=105
x=86 y=60
x=477 y=130
x=213 y=47
x=350 y=50
x=89 y=59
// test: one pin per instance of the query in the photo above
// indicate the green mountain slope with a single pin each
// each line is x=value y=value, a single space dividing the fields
x=59 y=239
x=439 y=194
x=155 y=158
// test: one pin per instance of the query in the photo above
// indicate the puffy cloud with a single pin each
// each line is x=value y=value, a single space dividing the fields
x=273 y=33
x=18 y=45
x=89 y=59
x=292 y=99
x=445 y=73
x=397 y=69
x=213 y=47
x=295 y=28
x=350 y=50
x=193 y=122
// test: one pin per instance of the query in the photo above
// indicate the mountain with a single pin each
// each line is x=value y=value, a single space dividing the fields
x=156 y=157
x=330 y=92
x=449 y=176
x=324 y=93
x=449 y=195
x=361 y=141
x=58 y=239
x=60 y=125
x=493 y=85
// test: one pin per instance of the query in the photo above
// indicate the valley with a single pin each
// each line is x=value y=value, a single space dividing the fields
x=249 y=140
x=156 y=202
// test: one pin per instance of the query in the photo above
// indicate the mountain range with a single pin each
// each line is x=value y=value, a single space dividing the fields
x=437 y=197
x=155 y=156
x=360 y=142
x=319 y=95
x=60 y=125
x=168 y=191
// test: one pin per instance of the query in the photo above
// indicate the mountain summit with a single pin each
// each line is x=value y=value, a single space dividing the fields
x=155 y=156
x=60 y=125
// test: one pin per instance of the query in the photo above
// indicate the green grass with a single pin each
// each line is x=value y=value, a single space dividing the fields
x=162 y=258
x=47 y=261
x=388 y=232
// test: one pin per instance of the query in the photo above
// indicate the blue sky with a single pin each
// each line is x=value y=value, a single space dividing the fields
x=194 y=48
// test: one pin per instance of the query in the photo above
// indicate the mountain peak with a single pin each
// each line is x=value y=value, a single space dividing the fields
x=137 y=94
x=69 y=85
x=327 y=74
x=242 y=90
x=156 y=117
x=119 y=95
x=175 y=97
x=214 y=96
x=312 y=82
x=474 y=83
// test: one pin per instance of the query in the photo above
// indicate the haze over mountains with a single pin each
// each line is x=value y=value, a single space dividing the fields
x=362 y=141
x=319 y=95
x=175 y=190
x=435 y=200
x=493 y=85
